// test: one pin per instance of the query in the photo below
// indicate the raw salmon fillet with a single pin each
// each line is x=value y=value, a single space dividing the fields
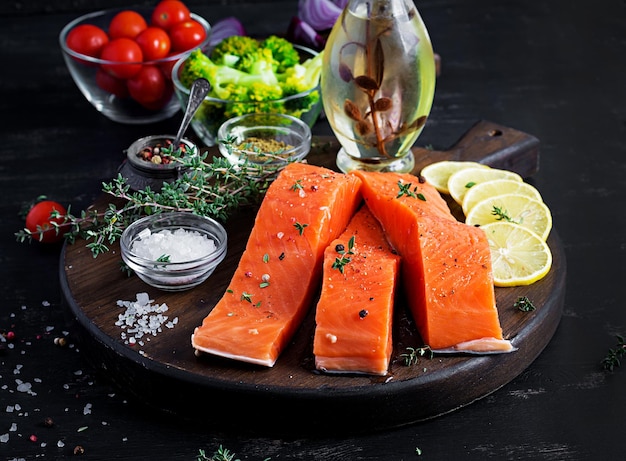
x=354 y=314
x=304 y=209
x=446 y=264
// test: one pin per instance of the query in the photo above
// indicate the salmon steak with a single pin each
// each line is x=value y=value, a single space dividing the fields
x=353 y=317
x=272 y=289
x=446 y=264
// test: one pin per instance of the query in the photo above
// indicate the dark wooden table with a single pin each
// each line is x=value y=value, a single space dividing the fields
x=552 y=69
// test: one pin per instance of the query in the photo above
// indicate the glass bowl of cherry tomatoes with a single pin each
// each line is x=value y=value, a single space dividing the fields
x=121 y=59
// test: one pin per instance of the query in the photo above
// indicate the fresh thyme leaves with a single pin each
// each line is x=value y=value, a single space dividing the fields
x=502 y=215
x=405 y=189
x=345 y=255
x=222 y=454
x=297 y=185
x=266 y=258
x=163 y=258
x=246 y=297
x=613 y=357
x=212 y=188
x=524 y=304
x=300 y=227
x=470 y=184
x=413 y=355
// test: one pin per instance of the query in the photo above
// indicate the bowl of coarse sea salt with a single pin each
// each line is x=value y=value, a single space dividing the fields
x=174 y=251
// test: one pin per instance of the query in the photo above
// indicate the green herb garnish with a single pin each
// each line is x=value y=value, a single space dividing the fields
x=405 y=189
x=502 y=215
x=413 y=355
x=613 y=357
x=524 y=304
x=345 y=255
x=209 y=187
x=300 y=227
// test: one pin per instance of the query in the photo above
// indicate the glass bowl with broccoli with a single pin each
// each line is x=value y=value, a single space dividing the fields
x=247 y=75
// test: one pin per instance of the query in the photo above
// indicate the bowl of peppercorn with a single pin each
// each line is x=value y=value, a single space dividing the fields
x=154 y=160
x=264 y=139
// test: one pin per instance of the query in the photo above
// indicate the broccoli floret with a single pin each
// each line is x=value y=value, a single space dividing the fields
x=243 y=72
x=224 y=79
x=283 y=52
x=301 y=77
x=236 y=51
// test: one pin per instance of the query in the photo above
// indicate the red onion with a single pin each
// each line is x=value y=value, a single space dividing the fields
x=225 y=28
x=320 y=14
x=302 y=33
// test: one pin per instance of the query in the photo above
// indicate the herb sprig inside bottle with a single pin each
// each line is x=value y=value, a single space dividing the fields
x=378 y=82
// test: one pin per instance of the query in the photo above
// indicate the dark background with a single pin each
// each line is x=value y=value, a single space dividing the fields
x=554 y=69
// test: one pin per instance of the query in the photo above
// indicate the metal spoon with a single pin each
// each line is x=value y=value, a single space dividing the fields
x=199 y=90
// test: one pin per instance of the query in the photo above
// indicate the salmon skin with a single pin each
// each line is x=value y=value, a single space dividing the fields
x=353 y=332
x=446 y=264
x=272 y=289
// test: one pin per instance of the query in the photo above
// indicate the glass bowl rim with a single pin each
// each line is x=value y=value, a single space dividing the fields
x=221 y=242
x=303 y=129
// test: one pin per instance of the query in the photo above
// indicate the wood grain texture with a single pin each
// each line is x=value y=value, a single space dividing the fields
x=356 y=403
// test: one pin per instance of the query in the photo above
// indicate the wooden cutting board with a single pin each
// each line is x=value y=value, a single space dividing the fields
x=292 y=397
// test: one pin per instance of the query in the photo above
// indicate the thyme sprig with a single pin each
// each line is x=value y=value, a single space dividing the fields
x=524 y=304
x=340 y=263
x=412 y=356
x=222 y=454
x=503 y=215
x=208 y=187
x=614 y=356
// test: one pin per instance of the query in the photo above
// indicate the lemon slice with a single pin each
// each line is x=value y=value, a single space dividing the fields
x=461 y=181
x=517 y=209
x=518 y=255
x=484 y=190
x=438 y=173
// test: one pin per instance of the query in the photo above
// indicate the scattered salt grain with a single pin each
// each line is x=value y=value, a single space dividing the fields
x=180 y=245
x=87 y=409
x=4 y=438
x=142 y=318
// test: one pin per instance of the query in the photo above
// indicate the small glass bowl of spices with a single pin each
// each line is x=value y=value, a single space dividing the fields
x=150 y=162
x=264 y=139
x=174 y=251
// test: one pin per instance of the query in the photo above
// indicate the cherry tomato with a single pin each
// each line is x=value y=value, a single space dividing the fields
x=187 y=35
x=39 y=219
x=147 y=86
x=169 y=12
x=161 y=102
x=124 y=51
x=87 y=39
x=154 y=42
x=126 y=23
x=111 y=84
x=167 y=66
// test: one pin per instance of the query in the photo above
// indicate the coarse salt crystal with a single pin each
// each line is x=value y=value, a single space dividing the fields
x=179 y=245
